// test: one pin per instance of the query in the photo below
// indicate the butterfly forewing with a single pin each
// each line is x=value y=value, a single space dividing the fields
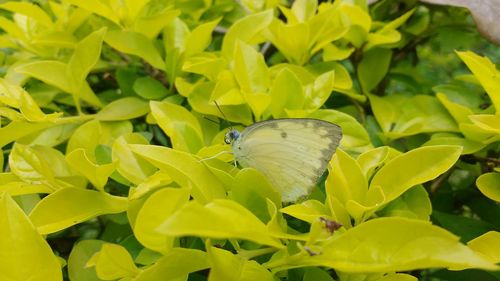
x=292 y=153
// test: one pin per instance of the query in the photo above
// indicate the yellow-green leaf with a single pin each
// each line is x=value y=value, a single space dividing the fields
x=25 y=255
x=487 y=244
x=179 y=124
x=185 y=169
x=246 y=29
x=123 y=109
x=97 y=174
x=367 y=244
x=485 y=71
x=175 y=265
x=156 y=209
x=221 y=219
x=78 y=258
x=489 y=185
x=130 y=42
x=131 y=167
x=226 y=266
x=69 y=206
x=414 y=167
x=113 y=262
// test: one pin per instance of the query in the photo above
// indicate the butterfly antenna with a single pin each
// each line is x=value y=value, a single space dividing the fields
x=213 y=121
x=223 y=115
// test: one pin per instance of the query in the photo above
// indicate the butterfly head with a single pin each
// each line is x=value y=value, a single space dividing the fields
x=231 y=136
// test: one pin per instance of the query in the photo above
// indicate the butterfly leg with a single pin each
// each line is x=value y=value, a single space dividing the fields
x=216 y=155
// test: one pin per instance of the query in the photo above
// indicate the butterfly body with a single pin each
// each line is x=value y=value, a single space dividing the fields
x=291 y=153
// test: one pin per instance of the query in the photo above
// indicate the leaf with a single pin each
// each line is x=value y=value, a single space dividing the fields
x=286 y=92
x=373 y=67
x=84 y=58
x=69 y=206
x=251 y=189
x=308 y=211
x=185 y=169
x=123 y=109
x=151 y=25
x=97 y=7
x=175 y=265
x=131 y=167
x=14 y=96
x=53 y=73
x=367 y=244
x=413 y=204
x=95 y=173
x=401 y=116
x=398 y=277
x=485 y=71
x=18 y=129
x=179 y=124
x=484 y=15
x=222 y=219
x=317 y=274
x=226 y=266
x=487 y=244
x=93 y=133
x=78 y=258
x=246 y=29
x=466 y=228
x=113 y=262
x=26 y=163
x=346 y=180
x=292 y=40
x=414 y=167
x=200 y=38
x=469 y=146
x=149 y=88
x=25 y=254
x=354 y=134
x=133 y=43
x=28 y=9
x=155 y=210
x=489 y=185
x=250 y=69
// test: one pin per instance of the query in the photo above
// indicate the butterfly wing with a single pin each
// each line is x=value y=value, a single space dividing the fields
x=292 y=153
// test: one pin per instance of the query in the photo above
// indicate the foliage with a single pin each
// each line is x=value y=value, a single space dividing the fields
x=109 y=126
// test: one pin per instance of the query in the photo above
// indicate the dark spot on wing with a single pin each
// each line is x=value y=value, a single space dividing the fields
x=284 y=135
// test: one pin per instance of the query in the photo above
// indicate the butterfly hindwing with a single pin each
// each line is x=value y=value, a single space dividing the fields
x=292 y=153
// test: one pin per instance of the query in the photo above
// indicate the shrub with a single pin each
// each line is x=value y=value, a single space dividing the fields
x=113 y=115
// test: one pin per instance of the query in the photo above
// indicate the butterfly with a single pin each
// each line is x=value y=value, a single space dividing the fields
x=292 y=152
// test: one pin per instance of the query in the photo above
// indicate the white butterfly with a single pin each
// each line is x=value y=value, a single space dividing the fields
x=291 y=153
